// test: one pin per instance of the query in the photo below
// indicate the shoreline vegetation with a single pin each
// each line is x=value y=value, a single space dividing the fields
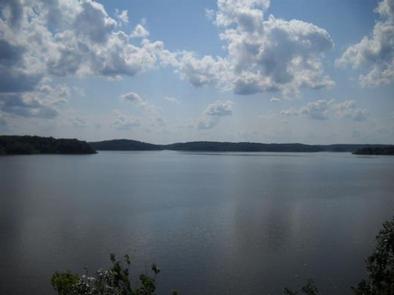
x=214 y=146
x=18 y=145
x=26 y=145
x=117 y=278
x=388 y=150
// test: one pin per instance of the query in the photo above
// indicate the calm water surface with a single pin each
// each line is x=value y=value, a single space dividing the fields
x=215 y=223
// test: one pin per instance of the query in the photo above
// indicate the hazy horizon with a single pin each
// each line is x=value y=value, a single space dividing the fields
x=213 y=70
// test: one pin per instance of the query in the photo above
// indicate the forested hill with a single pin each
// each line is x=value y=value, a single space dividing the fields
x=124 y=145
x=10 y=145
x=214 y=146
x=385 y=150
x=50 y=145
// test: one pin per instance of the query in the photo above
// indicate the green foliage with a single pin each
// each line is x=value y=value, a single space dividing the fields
x=308 y=289
x=114 y=281
x=380 y=268
x=63 y=282
x=117 y=280
x=380 y=265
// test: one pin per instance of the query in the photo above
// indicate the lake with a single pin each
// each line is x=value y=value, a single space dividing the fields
x=215 y=223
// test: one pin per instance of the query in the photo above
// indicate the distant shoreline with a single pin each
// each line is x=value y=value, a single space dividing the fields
x=214 y=146
x=18 y=145
x=384 y=151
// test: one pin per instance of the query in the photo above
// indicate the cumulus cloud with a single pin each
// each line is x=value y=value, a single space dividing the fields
x=44 y=40
x=61 y=38
x=202 y=71
x=349 y=109
x=25 y=105
x=323 y=109
x=219 y=108
x=317 y=110
x=213 y=114
x=133 y=97
x=15 y=75
x=122 y=16
x=263 y=53
x=374 y=54
x=139 y=32
x=275 y=99
x=42 y=102
x=93 y=23
x=40 y=40
x=152 y=114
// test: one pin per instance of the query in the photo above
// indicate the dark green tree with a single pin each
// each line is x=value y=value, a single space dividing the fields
x=308 y=289
x=380 y=265
x=114 y=281
x=117 y=279
x=380 y=268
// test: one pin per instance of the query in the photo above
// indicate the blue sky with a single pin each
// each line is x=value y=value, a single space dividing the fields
x=308 y=71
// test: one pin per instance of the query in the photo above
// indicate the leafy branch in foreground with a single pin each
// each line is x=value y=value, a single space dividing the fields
x=308 y=289
x=380 y=268
x=117 y=280
x=114 y=281
x=380 y=265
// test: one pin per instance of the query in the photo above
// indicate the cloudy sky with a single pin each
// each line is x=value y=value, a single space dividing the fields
x=311 y=71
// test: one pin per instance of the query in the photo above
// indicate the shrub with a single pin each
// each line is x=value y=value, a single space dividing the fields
x=114 y=281
x=380 y=265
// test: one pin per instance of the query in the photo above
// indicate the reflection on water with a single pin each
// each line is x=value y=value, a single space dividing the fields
x=216 y=223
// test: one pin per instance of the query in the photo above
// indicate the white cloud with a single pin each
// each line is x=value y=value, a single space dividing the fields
x=152 y=115
x=263 y=54
x=26 y=105
x=202 y=71
x=375 y=53
x=123 y=15
x=92 y=22
x=213 y=114
x=139 y=32
x=133 y=97
x=64 y=38
x=323 y=109
x=317 y=110
x=275 y=99
x=42 y=102
x=210 y=14
x=245 y=13
x=42 y=39
x=349 y=109
x=219 y=108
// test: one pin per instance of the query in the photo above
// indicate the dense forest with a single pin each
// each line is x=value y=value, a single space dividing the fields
x=213 y=146
x=124 y=145
x=11 y=145
x=386 y=150
x=50 y=145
